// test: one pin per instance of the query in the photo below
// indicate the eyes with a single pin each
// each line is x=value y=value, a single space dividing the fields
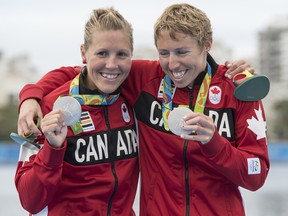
x=177 y=52
x=119 y=54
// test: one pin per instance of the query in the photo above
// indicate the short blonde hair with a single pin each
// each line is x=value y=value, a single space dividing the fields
x=106 y=19
x=186 y=19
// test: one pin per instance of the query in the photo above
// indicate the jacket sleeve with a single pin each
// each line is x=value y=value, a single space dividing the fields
x=37 y=180
x=245 y=162
x=140 y=75
x=48 y=83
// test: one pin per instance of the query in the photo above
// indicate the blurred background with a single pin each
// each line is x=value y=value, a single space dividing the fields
x=38 y=36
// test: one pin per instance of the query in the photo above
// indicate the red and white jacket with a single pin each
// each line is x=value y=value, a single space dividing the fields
x=94 y=173
x=185 y=177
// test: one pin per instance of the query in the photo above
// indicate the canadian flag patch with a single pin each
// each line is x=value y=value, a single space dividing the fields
x=215 y=94
x=125 y=113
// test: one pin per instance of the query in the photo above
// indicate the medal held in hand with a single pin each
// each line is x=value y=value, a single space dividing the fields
x=71 y=109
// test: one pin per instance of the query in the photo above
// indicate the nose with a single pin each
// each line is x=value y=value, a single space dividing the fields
x=111 y=62
x=173 y=62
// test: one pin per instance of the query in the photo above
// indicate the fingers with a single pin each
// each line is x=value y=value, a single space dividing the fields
x=22 y=126
x=52 y=123
x=228 y=64
x=28 y=117
x=54 y=129
x=33 y=128
x=237 y=67
x=27 y=126
x=202 y=126
x=195 y=137
x=251 y=70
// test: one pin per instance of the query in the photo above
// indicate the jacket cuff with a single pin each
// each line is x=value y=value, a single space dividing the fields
x=52 y=157
x=27 y=91
x=214 y=146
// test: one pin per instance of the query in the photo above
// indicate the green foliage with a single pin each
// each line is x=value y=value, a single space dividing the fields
x=8 y=121
x=281 y=123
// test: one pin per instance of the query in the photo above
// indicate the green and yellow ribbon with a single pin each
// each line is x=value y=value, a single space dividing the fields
x=200 y=101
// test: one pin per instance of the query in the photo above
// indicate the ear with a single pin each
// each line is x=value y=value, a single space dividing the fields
x=208 y=44
x=83 y=56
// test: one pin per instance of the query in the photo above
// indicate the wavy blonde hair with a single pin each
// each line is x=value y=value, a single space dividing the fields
x=186 y=19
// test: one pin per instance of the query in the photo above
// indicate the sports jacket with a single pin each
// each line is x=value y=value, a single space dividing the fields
x=185 y=177
x=94 y=173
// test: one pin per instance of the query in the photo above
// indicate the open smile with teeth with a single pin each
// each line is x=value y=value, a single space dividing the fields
x=109 y=76
x=180 y=74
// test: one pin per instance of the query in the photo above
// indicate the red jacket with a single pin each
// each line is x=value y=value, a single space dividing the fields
x=94 y=173
x=185 y=177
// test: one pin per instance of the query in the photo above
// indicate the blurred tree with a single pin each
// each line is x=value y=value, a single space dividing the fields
x=8 y=121
x=281 y=120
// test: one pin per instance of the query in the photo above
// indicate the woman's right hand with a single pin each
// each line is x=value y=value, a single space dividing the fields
x=29 y=112
x=54 y=128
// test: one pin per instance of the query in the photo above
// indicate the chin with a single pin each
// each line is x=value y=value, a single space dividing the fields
x=108 y=90
x=180 y=84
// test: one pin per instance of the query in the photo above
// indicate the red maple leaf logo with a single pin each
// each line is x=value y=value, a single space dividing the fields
x=215 y=91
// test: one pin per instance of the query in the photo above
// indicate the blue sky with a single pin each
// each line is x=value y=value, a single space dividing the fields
x=51 y=32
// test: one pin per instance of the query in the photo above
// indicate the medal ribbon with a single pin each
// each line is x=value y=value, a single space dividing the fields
x=90 y=99
x=203 y=92
x=86 y=99
x=200 y=101
x=166 y=101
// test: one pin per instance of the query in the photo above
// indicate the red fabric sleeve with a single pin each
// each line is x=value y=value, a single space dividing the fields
x=234 y=161
x=48 y=83
x=139 y=77
x=37 y=180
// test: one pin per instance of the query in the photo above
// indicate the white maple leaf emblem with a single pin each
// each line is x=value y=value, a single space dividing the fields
x=257 y=125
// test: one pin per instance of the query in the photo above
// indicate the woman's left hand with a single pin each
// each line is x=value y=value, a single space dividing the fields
x=202 y=126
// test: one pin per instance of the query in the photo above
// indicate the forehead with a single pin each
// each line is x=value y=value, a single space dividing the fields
x=111 y=38
x=165 y=37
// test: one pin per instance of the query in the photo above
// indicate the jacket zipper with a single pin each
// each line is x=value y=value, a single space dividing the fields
x=186 y=161
x=186 y=178
x=112 y=163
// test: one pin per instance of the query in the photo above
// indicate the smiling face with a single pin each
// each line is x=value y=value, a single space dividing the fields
x=183 y=37
x=107 y=50
x=108 y=59
x=181 y=58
